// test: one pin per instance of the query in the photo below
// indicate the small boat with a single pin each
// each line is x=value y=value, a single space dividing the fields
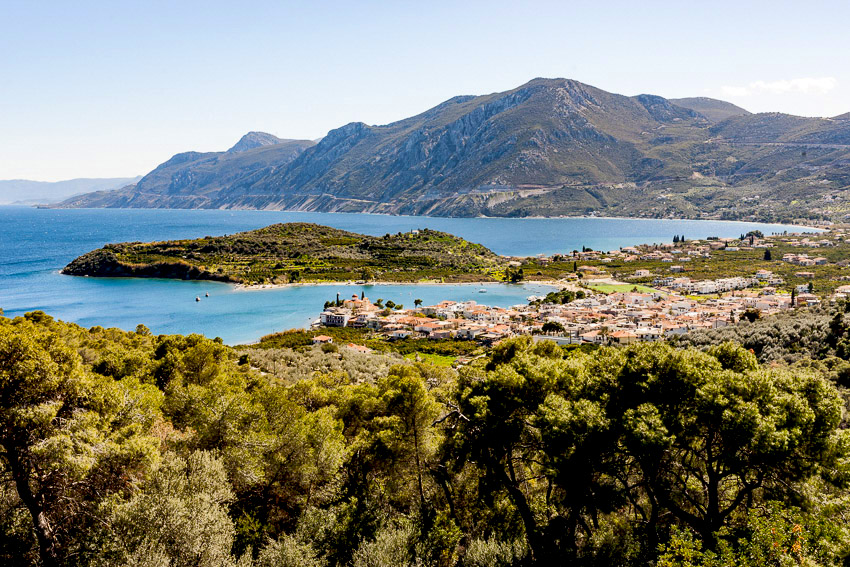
x=197 y=299
x=207 y=294
x=482 y=290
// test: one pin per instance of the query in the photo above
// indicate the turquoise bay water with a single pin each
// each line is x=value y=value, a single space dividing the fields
x=35 y=244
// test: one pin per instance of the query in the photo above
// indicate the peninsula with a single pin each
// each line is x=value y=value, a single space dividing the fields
x=295 y=253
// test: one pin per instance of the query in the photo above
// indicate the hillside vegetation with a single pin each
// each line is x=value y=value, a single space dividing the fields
x=818 y=333
x=295 y=252
x=713 y=109
x=124 y=448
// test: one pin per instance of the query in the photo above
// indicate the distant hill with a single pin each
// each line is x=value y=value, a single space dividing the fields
x=774 y=127
x=549 y=147
x=22 y=191
x=713 y=109
x=293 y=252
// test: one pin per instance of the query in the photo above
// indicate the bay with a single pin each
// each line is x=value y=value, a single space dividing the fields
x=36 y=243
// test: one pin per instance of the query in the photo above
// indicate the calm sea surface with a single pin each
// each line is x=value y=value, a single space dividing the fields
x=35 y=244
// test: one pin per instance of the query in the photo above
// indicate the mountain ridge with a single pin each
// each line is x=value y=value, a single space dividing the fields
x=546 y=148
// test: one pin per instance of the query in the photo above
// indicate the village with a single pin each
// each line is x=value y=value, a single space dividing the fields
x=595 y=306
x=615 y=318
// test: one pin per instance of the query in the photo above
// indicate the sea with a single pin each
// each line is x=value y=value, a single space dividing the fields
x=35 y=244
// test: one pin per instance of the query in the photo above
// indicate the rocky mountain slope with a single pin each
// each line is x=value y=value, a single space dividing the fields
x=192 y=179
x=549 y=147
x=253 y=140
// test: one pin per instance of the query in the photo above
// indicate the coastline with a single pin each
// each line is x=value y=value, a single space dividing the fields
x=260 y=287
x=53 y=206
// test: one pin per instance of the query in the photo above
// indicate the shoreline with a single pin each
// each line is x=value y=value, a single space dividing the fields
x=261 y=287
x=51 y=206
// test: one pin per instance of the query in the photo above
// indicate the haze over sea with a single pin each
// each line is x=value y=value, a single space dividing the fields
x=36 y=243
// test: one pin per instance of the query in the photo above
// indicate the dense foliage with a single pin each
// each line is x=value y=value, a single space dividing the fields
x=818 y=333
x=300 y=338
x=124 y=448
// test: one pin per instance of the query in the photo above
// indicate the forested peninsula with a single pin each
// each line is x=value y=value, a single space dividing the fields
x=297 y=252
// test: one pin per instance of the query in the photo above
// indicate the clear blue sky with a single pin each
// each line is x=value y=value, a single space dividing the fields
x=102 y=89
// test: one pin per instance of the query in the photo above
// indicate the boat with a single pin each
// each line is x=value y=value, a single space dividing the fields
x=197 y=299
x=482 y=290
x=207 y=294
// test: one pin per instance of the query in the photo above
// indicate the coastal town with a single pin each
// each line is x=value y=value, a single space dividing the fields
x=604 y=301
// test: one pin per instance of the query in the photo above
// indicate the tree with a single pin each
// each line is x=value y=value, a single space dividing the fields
x=180 y=516
x=751 y=315
x=552 y=327
x=675 y=239
x=288 y=551
x=417 y=302
x=69 y=438
x=767 y=255
x=514 y=275
x=705 y=432
x=407 y=431
x=682 y=434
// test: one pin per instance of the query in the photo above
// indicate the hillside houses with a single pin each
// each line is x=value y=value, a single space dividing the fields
x=616 y=318
x=804 y=260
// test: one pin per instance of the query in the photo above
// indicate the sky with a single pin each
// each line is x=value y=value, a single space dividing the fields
x=111 y=89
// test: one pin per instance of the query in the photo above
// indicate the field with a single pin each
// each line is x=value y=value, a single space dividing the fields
x=430 y=358
x=621 y=288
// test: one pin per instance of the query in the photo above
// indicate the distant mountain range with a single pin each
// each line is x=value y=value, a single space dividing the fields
x=25 y=192
x=550 y=147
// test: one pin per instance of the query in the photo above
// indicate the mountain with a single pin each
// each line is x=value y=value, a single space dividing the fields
x=549 y=147
x=23 y=191
x=191 y=179
x=253 y=140
x=713 y=109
